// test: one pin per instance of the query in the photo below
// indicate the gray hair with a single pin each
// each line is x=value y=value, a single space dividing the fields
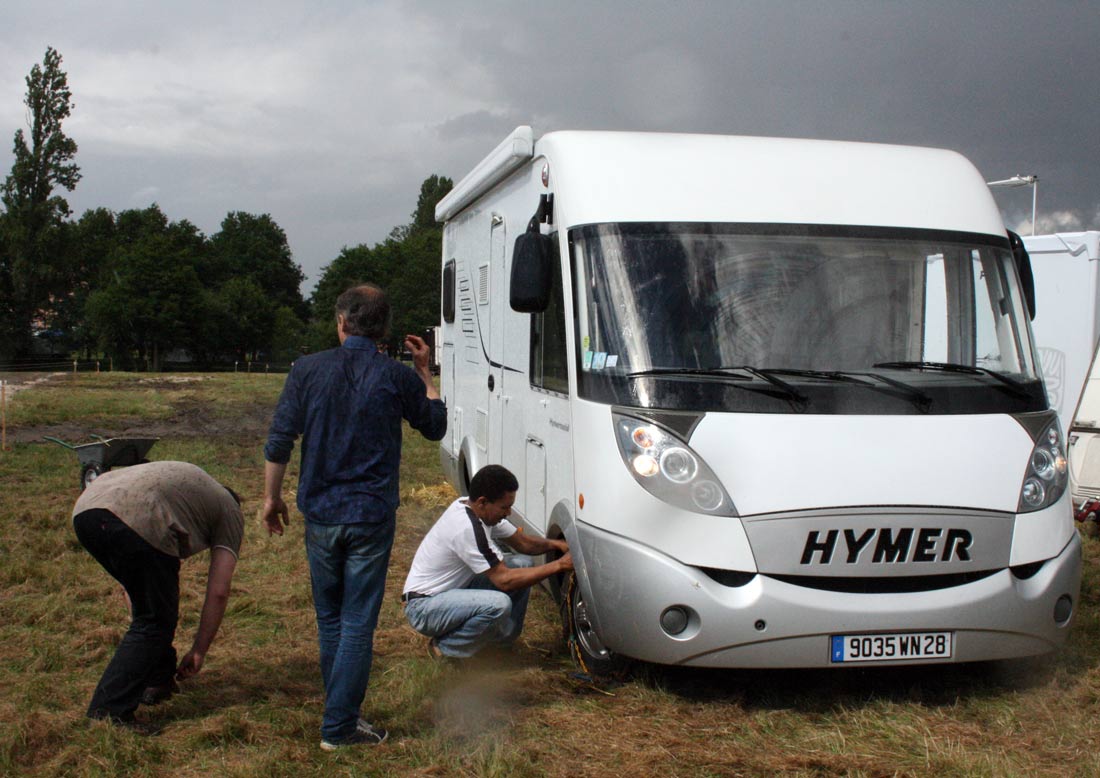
x=366 y=311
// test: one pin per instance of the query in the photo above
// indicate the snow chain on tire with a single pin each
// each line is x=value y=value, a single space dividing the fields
x=574 y=648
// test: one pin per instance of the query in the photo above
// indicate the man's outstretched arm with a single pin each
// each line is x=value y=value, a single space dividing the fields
x=533 y=546
x=509 y=579
x=222 y=564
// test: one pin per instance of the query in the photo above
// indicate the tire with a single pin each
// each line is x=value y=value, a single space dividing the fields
x=585 y=646
x=88 y=474
x=465 y=490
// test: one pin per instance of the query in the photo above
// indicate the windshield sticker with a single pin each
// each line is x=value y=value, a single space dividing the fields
x=587 y=359
x=599 y=359
x=612 y=360
x=586 y=342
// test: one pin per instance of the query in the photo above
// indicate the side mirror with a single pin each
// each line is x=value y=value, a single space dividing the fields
x=529 y=290
x=1023 y=270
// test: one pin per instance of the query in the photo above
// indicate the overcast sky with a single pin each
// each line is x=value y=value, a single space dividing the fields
x=328 y=115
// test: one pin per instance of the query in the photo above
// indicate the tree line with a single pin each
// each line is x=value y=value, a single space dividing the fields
x=142 y=289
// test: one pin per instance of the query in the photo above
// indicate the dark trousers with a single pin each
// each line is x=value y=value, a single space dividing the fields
x=145 y=657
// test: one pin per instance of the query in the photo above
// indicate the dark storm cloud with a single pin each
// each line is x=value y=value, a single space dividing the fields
x=329 y=115
x=1010 y=85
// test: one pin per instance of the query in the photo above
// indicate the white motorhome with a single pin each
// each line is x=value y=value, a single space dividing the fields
x=780 y=396
x=1066 y=267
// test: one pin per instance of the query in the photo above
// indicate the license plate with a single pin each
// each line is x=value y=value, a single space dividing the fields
x=889 y=646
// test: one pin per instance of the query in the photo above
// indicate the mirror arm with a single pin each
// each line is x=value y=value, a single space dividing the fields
x=1023 y=269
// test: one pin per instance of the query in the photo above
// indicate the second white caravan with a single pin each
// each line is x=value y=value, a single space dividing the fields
x=780 y=396
x=1066 y=268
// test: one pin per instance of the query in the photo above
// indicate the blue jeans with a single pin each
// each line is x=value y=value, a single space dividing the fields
x=347 y=567
x=463 y=621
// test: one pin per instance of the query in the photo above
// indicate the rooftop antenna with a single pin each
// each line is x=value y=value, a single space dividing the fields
x=1032 y=181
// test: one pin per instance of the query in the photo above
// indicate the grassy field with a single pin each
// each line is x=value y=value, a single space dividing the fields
x=255 y=709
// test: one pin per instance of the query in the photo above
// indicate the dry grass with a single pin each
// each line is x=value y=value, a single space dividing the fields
x=255 y=710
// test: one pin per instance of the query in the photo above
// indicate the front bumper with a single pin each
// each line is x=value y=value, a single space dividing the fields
x=772 y=623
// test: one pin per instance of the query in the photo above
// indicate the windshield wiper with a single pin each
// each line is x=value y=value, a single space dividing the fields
x=787 y=392
x=1010 y=385
x=917 y=397
x=717 y=372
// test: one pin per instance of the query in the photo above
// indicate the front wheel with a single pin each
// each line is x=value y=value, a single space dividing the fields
x=88 y=474
x=585 y=646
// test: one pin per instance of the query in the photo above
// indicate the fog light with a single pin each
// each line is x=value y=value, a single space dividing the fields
x=674 y=620
x=1063 y=609
x=706 y=495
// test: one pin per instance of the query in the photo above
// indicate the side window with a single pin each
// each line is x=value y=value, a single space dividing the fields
x=548 y=354
x=449 y=292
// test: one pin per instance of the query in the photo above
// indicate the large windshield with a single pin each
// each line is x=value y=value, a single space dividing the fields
x=708 y=317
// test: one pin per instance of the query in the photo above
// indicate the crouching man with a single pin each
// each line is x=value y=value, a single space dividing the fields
x=139 y=523
x=463 y=592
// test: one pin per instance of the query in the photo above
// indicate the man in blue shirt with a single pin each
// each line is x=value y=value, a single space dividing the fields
x=347 y=404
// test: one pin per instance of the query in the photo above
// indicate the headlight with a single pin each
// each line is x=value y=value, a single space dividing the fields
x=1047 y=472
x=679 y=465
x=668 y=469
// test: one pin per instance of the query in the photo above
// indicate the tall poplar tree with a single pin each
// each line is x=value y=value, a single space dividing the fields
x=30 y=228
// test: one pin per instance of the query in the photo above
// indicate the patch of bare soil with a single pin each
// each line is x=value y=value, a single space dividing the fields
x=14 y=382
x=189 y=419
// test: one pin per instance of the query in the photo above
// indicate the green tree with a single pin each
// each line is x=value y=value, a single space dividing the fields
x=135 y=225
x=406 y=265
x=30 y=229
x=150 y=298
x=88 y=244
x=434 y=189
x=252 y=314
x=414 y=284
x=256 y=248
x=288 y=336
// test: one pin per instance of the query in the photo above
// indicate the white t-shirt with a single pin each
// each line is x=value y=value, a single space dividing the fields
x=456 y=549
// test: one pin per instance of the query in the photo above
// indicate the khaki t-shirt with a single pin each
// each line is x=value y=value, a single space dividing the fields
x=175 y=506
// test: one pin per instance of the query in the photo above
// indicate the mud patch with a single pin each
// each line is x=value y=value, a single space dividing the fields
x=187 y=423
x=15 y=382
x=189 y=419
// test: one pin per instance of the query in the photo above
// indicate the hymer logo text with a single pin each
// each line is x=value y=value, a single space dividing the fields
x=888 y=545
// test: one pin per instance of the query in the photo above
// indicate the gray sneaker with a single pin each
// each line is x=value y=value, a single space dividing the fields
x=364 y=735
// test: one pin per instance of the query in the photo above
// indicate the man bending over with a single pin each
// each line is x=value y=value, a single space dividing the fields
x=138 y=523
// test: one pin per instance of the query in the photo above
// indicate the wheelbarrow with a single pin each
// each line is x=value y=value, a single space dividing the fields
x=99 y=457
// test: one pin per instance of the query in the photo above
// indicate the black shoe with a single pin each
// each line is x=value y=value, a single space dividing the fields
x=154 y=695
x=364 y=735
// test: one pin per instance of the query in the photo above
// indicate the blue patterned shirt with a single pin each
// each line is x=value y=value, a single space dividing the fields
x=347 y=403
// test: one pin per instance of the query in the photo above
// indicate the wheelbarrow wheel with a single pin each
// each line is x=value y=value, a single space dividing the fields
x=88 y=474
